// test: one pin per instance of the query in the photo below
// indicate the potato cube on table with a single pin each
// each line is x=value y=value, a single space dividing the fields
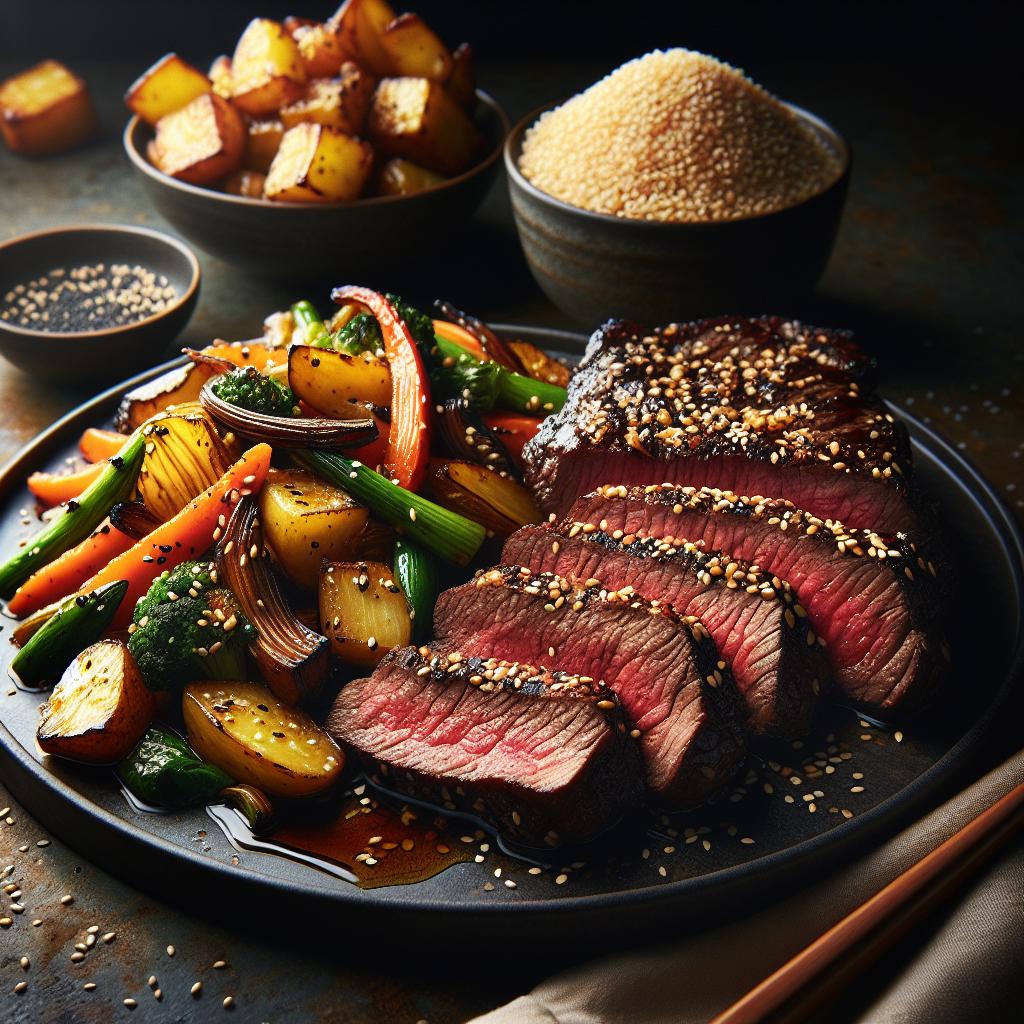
x=46 y=109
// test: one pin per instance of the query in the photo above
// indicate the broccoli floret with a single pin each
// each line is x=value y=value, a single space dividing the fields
x=188 y=627
x=362 y=333
x=249 y=389
x=466 y=377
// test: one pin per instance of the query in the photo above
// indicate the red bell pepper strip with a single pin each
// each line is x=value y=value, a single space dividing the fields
x=409 y=439
x=513 y=429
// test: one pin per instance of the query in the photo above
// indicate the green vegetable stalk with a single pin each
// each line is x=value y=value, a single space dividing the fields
x=163 y=771
x=314 y=330
x=416 y=573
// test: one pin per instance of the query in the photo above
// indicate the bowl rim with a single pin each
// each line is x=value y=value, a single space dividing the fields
x=121 y=229
x=493 y=107
x=513 y=150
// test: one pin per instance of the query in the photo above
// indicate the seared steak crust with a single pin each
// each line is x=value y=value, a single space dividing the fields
x=544 y=757
x=755 y=405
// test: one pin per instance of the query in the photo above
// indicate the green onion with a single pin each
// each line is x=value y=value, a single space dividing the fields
x=416 y=573
x=314 y=330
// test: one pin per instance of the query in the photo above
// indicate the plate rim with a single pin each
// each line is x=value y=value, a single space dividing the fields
x=841 y=837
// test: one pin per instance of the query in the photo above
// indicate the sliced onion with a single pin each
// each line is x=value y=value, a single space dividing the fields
x=288 y=431
x=217 y=363
x=470 y=438
x=293 y=658
x=491 y=343
x=133 y=519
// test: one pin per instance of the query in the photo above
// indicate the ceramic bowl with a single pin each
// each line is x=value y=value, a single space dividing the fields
x=291 y=240
x=594 y=265
x=107 y=354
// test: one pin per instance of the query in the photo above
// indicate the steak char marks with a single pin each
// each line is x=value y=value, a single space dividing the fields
x=877 y=602
x=751 y=405
x=542 y=756
x=760 y=629
x=665 y=669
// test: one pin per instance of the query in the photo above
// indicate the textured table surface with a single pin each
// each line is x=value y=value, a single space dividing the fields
x=927 y=270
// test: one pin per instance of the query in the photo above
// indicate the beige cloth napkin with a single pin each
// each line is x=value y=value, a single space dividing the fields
x=967 y=971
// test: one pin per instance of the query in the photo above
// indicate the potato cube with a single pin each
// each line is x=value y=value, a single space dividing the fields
x=413 y=49
x=167 y=86
x=261 y=145
x=339 y=103
x=320 y=48
x=45 y=110
x=246 y=183
x=414 y=118
x=317 y=164
x=201 y=143
x=361 y=23
x=220 y=76
x=403 y=178
x=461 y=84
x=266 y=69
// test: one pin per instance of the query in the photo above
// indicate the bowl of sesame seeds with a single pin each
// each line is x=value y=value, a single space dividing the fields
x=673 y=188
x=93 y=303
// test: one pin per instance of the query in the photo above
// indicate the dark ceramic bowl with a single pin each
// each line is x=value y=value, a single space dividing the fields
x=594 y=265
x=290 y=240
x=105 y=354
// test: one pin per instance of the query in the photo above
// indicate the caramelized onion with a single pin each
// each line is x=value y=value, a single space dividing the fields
x=490 y=342
x=293 y=658
x=133 y=519
x=470 y=438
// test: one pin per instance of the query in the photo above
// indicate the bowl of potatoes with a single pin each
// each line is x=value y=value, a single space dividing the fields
x=315 y=146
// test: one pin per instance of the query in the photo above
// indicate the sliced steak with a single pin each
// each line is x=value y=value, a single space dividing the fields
x=542 y=756
x=760 y=629
x=751 y=405
x=876 y=601
x=665 y=668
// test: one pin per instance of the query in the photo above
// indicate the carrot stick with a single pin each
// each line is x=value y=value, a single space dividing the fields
x=97 y=445
x=66 y=574
x=459 y=335
x=56 y=488
x=186 y=535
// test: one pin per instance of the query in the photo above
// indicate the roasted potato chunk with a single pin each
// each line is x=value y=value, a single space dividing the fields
x=99 y=709
x=201 y=143
x=361 y=23
x=262 y=141
x=339 y=103
x=413 y=48
x=416 y=119
x=320 y=48
x=266 y=70
x=461 y=84
x=332 y=381
x=248 y=733
x=403 y=178
x=220 y=76
x=317 y=164
x=305 y=521
x=167 y=86
x=248 y=184
x=46 y=109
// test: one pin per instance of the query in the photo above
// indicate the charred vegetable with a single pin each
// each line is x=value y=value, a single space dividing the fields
x=362 y=332
x=78 y=622
x=99 y=709
x=78 y=518
x=292 y=658
x=490 y=343
x=499 y=503
x=162 y=771
x=182 y=384
x=416 y=573
x=133 y=519
x=188 y=626
x=536 y=363
x=333 y=382
x=363 y=611
x=246 y=731
x=470 y=438
x=247 y=388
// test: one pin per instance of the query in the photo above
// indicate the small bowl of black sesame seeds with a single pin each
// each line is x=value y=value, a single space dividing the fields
x=93 y=304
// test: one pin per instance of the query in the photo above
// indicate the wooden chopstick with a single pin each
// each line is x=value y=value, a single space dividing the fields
x=888 y=913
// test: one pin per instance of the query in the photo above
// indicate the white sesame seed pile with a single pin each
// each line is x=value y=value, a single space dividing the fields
x=677 y=136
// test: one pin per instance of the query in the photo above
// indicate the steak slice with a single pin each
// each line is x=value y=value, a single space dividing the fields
x=751 y=405
x=760 y=629
x=541 y=756
x=665 y=668
x=877 y=602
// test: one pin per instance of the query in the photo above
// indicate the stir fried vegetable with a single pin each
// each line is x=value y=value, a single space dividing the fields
x=164 y=772
x=249 y=389
x=189 y=627
x=416 y=573
x=314 y=330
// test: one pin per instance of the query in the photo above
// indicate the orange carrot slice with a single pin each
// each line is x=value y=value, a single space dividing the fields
x=56 y=488
x=96 y=445
x=453 y=332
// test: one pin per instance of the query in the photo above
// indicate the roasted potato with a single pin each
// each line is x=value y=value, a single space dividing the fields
x=182 y=384
x=99 y=709
x=363 y=611
x=201 y=143
x=461 y=83
x=331 y=381
x=263 y=139
x=340 y=102
x=220 y=76
x=167 y=86
x=413 y=48
x=501 y=504
x=403 y=178
x=305 y=521
x=266 y=70
x=248 y=733
x=361 y=23
x=539 y=365
x=320 y=48
x=246 y=183
x=416 y=119
x=46 y=109
x=317 y=164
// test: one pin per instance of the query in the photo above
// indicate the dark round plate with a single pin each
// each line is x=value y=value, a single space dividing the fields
x=803 y=805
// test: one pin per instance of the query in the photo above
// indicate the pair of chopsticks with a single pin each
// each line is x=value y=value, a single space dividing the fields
x=800 y=986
